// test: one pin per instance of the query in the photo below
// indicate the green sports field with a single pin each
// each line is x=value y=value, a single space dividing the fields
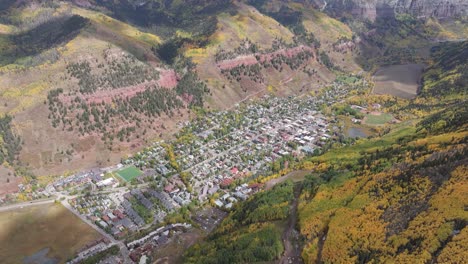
x=129 y=173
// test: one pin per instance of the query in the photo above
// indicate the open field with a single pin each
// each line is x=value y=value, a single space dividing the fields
x=128 y=174
x=349 y=154
x=170 y=253
x=295 y=176
x=378 y=119
x=44 y=233
x=398 y=80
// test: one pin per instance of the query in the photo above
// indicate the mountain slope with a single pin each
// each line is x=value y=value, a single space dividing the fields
x=27 y=80
x=271 y=40
x=388 y=8
x=88 y=56
x=62 y=86
x=408 y=183
x=252 y=233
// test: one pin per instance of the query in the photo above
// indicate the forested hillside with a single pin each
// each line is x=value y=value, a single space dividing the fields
x=401 y=198
x=10 y=144
x=251 y=233
x=406 y=192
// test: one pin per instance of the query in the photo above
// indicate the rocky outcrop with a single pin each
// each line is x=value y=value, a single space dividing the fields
x=371 y=9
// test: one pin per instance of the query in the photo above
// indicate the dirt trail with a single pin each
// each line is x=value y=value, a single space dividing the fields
x=292 y=250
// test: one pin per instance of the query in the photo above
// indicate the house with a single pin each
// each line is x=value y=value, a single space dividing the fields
x=213 y=190
x=226 y=182
x=132 y=213
x=240 y=195
x=219 y=203
x=128 y=224
x=256 y=187
x=115 y=231
x=307 y=150
x=169 y=188
x=226 y=196
x=232 y=199
x=163 y=170
x=103 y=224
x=143 y=259
x=112 y=216
x=234 y=171
x=146 y=203
x=106 y=219
x=106 y=182
x=119 y=214
x=164 y=198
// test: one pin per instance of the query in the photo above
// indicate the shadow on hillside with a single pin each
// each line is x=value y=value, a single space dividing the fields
x=41 y=38
x=6 y=4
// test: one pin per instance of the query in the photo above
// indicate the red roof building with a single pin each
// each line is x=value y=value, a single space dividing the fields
x=226 y=182
x=106 y=219
x=256 y=186
x=119 y=214
x=169 y=188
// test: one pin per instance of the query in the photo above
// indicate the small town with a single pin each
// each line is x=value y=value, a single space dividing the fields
x=214 y=161
x=233 y=131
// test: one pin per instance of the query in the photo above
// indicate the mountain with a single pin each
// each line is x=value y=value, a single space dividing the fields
x=105 y=78
x=87 y=83
x=389 y=8
x=68 y=70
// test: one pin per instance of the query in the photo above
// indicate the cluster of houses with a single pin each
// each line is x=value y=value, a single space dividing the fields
x=91 y=249
x=227 y=147
x=105 y=213
x=240 y=193
x=78 y=179
x=144 y=246
x=116 y=212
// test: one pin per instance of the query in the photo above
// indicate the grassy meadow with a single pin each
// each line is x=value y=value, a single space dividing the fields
x=27 y=231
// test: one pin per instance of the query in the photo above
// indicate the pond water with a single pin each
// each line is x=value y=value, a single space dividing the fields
x=398 y=80
x=356 y=132
x=40 y=257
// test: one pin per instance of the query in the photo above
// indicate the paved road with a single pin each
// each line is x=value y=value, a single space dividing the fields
x=59 y=195
x=84 y=219
x=123 y=249
x=26 y=204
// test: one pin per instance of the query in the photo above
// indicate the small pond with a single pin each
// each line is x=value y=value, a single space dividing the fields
x=356 y=132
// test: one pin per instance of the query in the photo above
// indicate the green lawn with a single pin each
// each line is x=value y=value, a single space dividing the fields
x=129 y=173
x=378 y=119
x=350 y=154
